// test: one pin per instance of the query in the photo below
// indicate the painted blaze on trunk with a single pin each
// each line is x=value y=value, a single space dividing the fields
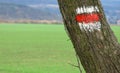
x=88 y=18
x=92 y=37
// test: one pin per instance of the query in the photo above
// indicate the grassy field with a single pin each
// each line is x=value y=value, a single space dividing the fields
x=37 y=49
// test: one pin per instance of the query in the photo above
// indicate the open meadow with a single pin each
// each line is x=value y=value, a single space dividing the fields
x=33 y=48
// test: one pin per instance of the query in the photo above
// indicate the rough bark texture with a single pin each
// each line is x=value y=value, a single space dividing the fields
x=98 y=50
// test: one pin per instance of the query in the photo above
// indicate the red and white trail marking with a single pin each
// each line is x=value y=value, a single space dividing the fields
x=88 y=18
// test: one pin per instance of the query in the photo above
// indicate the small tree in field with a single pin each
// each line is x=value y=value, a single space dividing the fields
x=91 y=35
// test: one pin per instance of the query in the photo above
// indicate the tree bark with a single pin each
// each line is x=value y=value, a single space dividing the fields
x=91 y=35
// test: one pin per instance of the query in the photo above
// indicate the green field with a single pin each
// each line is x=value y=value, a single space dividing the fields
x=37 y=49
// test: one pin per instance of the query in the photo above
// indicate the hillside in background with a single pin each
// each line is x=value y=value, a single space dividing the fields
x=112 y=10
x=17 y=12
x=29 y=2
x=48 y=10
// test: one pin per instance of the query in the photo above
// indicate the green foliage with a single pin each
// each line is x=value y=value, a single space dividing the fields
x=37 y=49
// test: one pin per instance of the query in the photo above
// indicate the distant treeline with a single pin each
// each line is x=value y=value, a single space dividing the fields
x=32 y=21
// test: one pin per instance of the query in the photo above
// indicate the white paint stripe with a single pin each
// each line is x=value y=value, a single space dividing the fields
x=89 y=9
x=90 y=26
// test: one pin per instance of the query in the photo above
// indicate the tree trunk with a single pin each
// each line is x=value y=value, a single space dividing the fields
x=91 y=35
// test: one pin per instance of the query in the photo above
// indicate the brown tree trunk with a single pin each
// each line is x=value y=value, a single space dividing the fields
x=91 y=35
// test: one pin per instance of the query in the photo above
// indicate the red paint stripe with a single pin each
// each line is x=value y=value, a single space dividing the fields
x=87 y=18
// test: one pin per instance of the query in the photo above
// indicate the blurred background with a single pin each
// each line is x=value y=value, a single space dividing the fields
x=31 y=41
x=47 y=11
